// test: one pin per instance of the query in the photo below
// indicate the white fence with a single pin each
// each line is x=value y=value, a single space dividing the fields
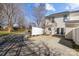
x=69 y=33
x=73 y=33
x=76 y=36
x=37 y=31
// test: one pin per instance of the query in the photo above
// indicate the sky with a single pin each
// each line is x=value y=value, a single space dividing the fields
x=51 y=8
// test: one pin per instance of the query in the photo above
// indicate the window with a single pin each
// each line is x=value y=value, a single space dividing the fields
x=62 y=31
x=52 y=19
x=65 y=18
x=58 y=30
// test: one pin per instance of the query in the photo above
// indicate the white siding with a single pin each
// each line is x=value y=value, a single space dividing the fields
x=60 y=22
x=74 y=16
x=47 y=31
x=53 y=31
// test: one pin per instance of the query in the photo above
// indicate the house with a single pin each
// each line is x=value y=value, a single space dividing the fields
x=62 y=23
x=55 y=23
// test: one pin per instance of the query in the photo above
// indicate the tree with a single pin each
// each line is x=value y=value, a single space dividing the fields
x=39 y=14
x=1 y=14
x=20 y=19
x=11 y=12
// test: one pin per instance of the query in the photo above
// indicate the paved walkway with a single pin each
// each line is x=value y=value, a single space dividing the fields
x=58 y=43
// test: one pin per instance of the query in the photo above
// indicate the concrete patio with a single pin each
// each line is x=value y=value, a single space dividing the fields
x=58 y=43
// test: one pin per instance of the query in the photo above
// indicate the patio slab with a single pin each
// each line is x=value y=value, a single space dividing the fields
x=59 y=43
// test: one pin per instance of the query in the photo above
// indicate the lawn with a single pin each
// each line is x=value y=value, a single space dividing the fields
x=6 y=33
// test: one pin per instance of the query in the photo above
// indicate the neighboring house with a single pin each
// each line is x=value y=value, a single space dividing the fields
x=62 y=23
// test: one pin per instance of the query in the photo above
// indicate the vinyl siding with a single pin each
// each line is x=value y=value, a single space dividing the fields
x=60 y=22
x=74 y=16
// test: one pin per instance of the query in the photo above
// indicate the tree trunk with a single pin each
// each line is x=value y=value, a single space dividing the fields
x=10 y=28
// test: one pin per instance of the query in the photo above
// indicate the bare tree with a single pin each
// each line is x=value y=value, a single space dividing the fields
x=20 y=18
x=21 y=21
x=38 y=14
x=1 y=14
x=11 y=11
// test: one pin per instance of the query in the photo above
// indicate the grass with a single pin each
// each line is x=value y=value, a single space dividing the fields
x=6 y=33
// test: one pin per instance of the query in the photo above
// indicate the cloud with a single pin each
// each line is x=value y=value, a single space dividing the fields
x=72 y=6
x=67 y=8
x=50 y=7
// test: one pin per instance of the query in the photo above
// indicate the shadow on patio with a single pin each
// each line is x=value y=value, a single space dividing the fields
x=66 y=42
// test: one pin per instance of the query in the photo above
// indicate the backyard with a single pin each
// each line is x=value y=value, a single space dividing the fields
x=29 y=32
x=16 y=44
x=60 y=44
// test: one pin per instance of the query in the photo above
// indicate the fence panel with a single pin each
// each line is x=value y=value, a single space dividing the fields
x=37 y=31
x=76 y=36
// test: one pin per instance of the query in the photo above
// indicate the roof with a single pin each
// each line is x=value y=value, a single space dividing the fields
x=72 y=21
x=61 y=13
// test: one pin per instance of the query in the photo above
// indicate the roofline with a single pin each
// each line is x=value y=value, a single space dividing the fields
x=64 y=12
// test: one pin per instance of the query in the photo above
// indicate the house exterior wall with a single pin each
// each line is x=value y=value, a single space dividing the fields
x=72 y=25
x=60 y=22
x=69 y=34
x=74 y=16
x=49 y=26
